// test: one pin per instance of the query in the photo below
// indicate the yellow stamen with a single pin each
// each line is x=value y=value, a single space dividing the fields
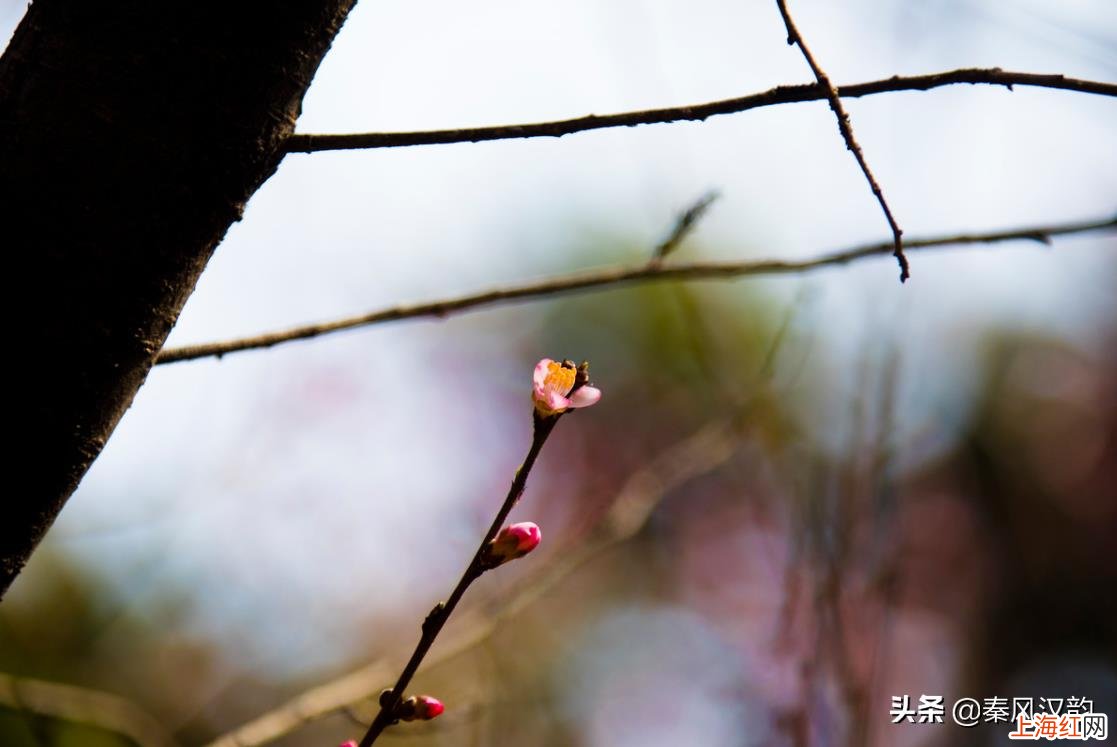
x=559 y=378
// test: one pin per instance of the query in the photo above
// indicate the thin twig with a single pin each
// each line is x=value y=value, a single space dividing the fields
x=84 y=706
x=790 y=94
x=684 y=224
x=614 y=276
x=794 y=37
x=432 y=626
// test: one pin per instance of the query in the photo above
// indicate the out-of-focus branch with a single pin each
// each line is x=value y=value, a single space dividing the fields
x=700 y=453
x=311 y=143
x=846 y=128
x=615 y=276
x=80 y=705
x=684 y=224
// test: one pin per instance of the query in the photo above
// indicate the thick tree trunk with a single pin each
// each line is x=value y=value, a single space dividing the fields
x=131 y=135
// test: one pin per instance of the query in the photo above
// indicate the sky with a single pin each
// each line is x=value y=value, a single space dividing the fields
x=283 y=485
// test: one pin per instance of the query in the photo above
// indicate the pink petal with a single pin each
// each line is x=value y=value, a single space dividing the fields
x=555 y=401
x=542 y=368
x=527 y=535
x=584 y=397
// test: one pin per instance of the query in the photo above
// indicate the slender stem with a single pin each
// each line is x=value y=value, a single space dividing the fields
x=438 y=616
x=303 y=142
x=605 y=277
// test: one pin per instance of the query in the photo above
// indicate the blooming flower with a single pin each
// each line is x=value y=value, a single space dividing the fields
x=513 y=541
x=559 y=387
x=420 y=708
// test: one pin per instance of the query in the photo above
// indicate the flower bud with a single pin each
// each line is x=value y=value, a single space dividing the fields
x=419 y=708
x=514 y=541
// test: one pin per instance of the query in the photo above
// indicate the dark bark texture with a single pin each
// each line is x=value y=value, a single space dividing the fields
x=132 y=133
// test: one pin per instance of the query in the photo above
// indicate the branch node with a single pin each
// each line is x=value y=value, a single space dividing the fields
x=434 y=616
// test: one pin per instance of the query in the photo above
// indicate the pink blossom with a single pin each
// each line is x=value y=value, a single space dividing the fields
x=552 y=385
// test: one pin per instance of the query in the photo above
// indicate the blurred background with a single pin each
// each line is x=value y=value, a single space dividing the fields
x=799 y=496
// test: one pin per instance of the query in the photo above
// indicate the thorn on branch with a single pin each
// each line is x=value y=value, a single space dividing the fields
x=433 y=618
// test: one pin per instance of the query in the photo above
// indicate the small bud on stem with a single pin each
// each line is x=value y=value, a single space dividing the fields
x=419 y=708
x=511 y=542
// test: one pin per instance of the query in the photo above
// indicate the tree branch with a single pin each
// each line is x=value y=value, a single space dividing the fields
x=615 y=276
x=846 y=128
x=312 y=143
x=432 y=625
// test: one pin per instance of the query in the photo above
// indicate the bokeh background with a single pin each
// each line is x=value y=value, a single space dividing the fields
x=799 y=497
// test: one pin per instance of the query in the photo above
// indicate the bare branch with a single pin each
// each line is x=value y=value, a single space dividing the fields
x=615 y=276
x=80 y=705
x=311 y=143
x=390 y=699
x=846 y=128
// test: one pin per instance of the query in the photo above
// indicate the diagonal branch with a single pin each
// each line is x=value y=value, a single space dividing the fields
x=390 y=699
x=794 y=37
x=616 y=276
x=684 y=225
x=312 y=143
x=81 y=705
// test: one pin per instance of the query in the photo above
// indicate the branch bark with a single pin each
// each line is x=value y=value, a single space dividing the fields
x=131 y=135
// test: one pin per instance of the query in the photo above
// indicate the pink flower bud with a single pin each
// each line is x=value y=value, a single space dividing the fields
x=420 y=708
x=514 y=541
x=350 y=743
x=429 y=707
